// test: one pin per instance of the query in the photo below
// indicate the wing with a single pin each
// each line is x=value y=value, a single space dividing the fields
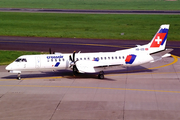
x=92 y=66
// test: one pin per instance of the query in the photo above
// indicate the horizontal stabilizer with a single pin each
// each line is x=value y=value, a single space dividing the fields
x=161 y=53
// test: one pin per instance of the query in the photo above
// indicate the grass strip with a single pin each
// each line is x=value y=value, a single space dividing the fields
x=94 y=4
x=99 y=26
x=6 y=57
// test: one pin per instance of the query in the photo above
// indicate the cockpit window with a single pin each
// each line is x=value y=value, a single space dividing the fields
x=21 y=60
x=18 y=60
x=24 y=60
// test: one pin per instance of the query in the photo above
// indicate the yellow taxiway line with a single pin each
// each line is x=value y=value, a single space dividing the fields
x=105 y=88
x=175 y=60
x=79 y=87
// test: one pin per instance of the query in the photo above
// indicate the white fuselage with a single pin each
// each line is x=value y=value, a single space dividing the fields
x=62 y=61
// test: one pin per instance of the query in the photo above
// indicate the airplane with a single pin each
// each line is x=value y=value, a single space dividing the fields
x=98 y=61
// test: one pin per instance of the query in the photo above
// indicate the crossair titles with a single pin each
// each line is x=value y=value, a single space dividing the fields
x=54 y=57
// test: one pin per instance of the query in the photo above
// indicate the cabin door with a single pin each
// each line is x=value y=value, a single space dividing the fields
x=38 y=62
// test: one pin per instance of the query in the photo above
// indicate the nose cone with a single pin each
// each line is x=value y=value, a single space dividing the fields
x=8 y=67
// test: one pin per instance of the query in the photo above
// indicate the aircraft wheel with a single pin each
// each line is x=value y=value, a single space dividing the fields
x=101 y=75
x=19 y=76
x=75 y=70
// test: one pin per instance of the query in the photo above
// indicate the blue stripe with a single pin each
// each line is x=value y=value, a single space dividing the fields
x=163 y=30
x=57 y=64
x=96 y=59
x=164 y=39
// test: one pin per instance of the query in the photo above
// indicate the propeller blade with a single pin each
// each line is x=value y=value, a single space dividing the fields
x=70 y=58
x=74 y=56
x=49 y=50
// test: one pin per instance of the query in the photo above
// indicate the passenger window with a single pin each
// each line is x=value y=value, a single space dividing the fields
x=63 y=59
x=88 y=58
x=105 y=58
x=108 y=57
x=116 y=57
x=101 y=58
x=80 y=58
x=119 y=57
x=112 y=57
x=51 y=60
x=84 y=58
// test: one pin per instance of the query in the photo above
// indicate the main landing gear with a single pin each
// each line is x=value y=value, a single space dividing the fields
x=19 y=76
x=101 y=75
x=75 y=70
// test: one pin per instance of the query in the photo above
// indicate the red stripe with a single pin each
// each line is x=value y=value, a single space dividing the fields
x=128 y=58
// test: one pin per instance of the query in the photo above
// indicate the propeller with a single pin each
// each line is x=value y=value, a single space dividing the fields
x=72 y=58
x=73 y=63
x=49 y=50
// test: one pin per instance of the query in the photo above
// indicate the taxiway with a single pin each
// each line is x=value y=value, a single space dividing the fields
x=144 y=92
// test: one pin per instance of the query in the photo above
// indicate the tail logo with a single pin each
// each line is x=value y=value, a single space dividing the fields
x=160 y=38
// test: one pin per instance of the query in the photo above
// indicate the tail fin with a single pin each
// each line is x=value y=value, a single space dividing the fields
x=158 y=43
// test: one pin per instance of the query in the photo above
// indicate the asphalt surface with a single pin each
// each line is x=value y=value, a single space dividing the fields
x=147 y=92
x=90 y=11
x=68 y=45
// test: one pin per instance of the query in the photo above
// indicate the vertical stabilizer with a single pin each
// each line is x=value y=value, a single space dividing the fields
x=158 y=43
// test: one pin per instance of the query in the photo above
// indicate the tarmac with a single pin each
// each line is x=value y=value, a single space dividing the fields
x=147 y=92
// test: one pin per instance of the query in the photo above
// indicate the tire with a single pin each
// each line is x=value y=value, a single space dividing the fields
x=19 y=78
x=75 y=70
x=101 y=76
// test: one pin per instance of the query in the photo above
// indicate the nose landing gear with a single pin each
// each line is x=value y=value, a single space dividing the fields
x=19 y=76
